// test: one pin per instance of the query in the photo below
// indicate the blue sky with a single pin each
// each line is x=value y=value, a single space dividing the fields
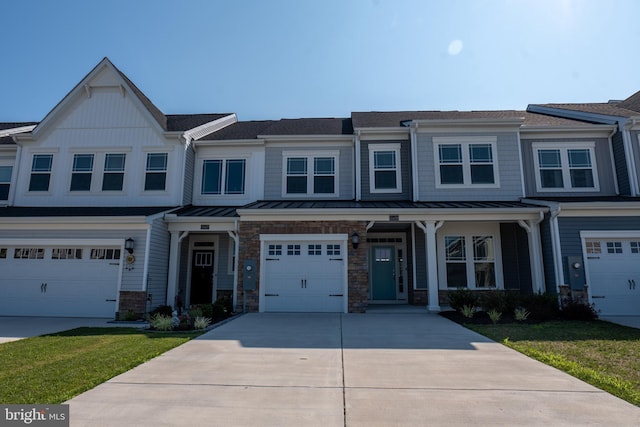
x=322 y=58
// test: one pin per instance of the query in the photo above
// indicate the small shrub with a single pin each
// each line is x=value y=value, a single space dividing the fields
x=164 y=310
x=541 y=307
x=494 y=315
x=502 y=301
x=195 y=311
x=468 y=311
x=161 y=322
x=521 y=314
x=201 y=322
x=577 y=311
x=129 y=316
x=461 y=297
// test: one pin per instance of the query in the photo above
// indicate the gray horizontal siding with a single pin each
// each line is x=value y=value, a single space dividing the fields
x=405 y=172
x=158 y=263
x=508 y=161
x=274 y=173
x=224 y=278
x=603 y=161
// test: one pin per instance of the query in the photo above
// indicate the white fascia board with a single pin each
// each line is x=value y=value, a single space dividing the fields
x=616 y=234
x=13 y=131
x=469 y=125
x=210 y=127
x=62 y=242
x=304 y=138
x=229 y=142
x=205 y=225
x=384 y=133
x=587 y=209
x=42 y=224
x=547 y=132
x=405 y=215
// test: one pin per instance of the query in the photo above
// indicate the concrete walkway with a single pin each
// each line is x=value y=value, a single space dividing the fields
x=346 y=370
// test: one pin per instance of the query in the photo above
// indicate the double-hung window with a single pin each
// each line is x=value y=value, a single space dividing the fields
x=223 y=176
x=113 y=177
x=465 y=162
x=384 y=168
x=5 y=181
x=310 y=174
x=40 y=172
x=156 y=172
x=565 y=168
x=81 y=172
x=470 y=261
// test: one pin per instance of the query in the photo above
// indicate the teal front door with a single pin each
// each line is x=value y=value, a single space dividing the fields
x=383 y=273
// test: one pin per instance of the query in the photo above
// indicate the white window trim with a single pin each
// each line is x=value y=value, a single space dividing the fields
x=465 y=141
x=11 y=164
x=166 y=171
x=102 y=156
x=224 y=159
x=373 y=148
x=469 y=230
x=566 y=175
x=310 y=155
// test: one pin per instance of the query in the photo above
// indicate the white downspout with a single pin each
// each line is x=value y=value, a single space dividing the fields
x=628 y=150
x=414 y=161
x=613 y=160
x=533 y=232
x=147 y=251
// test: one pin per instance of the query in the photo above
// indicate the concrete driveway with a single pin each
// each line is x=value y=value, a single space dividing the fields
x=354 y=370
x=16 y=328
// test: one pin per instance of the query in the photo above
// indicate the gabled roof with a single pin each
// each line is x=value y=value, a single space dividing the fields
x=375 y=119
x=289 y=127
x=174 y=122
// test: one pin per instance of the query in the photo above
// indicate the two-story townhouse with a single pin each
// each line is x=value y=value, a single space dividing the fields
x=589 y=181
x=83 y=232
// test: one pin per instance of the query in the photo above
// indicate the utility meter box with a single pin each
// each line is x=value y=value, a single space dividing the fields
x=249 y=275
x=575 y=270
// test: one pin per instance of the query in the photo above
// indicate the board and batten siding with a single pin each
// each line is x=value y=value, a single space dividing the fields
x=405 y=171
x=507 y=159
x=274 y=174
x=602 y=160
x=158 y=263
x=106 y=122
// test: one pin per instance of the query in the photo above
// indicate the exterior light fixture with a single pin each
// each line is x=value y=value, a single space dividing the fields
x=355 y=240
x=128 y=245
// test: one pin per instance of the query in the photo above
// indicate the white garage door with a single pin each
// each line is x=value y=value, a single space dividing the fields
x=613 y=268
x=77 y=281
x=304 y=276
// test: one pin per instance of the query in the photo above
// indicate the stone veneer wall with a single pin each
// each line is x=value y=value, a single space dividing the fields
x=358 y=274
x=135 y=301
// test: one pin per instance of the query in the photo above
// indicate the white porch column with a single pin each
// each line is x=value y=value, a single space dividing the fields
x=429 y=228
x=174 y=263
x=535 y=255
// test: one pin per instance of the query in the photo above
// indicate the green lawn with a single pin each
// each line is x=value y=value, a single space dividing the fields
x=55 y=368
x=600 y=353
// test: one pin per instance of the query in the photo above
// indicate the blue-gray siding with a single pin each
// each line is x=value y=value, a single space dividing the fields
x=405 y=172
x=547 y=255
x=508 y=162
x=158 y=263
x=603 y=162
x=274 y=173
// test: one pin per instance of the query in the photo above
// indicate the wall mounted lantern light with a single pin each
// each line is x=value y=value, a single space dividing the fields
x=355 y=240
x=128 y=245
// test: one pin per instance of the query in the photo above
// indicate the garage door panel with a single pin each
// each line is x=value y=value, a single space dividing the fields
x=306 y=277
x=59 y=287
x=613 y=269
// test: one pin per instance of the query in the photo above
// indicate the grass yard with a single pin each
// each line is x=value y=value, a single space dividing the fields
x=55 y=368
x=600 y=353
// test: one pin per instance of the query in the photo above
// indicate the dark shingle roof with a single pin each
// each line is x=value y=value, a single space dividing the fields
x=90 y=211
x=396 y=118
x=308 y=126
x=182 y=122
x=7 y=140
x=629 y=107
